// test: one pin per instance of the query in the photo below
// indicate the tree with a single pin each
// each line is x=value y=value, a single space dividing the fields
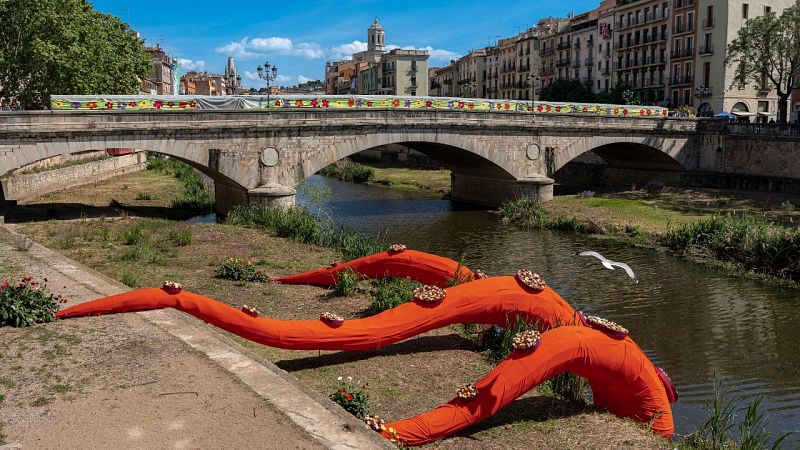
x=615 y=96
x=766 y=53
x=66 y=47
x=563 y=90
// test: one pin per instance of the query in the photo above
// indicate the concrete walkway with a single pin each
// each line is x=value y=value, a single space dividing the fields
x=157 y=379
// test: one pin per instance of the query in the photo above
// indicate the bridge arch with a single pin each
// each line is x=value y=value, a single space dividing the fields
x=629 y=152
x=458 y=153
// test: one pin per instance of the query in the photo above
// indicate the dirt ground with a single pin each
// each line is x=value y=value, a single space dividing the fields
x=120 y=382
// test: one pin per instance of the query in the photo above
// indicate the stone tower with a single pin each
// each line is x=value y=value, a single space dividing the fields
x=230 y=68
x=376 y=38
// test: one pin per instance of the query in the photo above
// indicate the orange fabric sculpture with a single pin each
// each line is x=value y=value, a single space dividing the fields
x=420 y=266
x=490 y=301
x=623 y=381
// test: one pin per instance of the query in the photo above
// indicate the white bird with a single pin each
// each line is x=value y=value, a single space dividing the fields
x=608 y=264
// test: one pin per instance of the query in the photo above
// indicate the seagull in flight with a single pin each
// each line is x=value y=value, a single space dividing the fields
x=608 y=264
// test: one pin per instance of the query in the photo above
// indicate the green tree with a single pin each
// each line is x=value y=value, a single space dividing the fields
x=766 y=53
x=563 y=90
x=615 y=96
x=66 y=47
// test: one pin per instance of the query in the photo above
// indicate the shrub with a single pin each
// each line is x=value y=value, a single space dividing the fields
x=241 y=270
x=527 y=212
x=346 y=282
x=181 y=236
x=145 y=196
x=654 y=187
x=566 y=386
x=27 y=303
x=128 y=279
x=351 y=398
x=348 y=170
x=497 y=341
x=131 y=235
x=389 y=292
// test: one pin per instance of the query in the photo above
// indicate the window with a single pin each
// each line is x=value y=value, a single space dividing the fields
x=709 y=16
x=767 y=10
x=745 y=10
x=687 y=97
x=706 y=73
x=690 y=20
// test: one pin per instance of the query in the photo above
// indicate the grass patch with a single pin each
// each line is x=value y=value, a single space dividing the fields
x=346 y=283
x=528 y=213
x=349 y=170
x=181 y=236
x=386 y=293
x=195 y=195
x=146 y=196
x=748 y=242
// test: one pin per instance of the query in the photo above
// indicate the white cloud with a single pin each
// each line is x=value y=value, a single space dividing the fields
x=263 y=46
x=303 y=79
x=256 y=82
x=188 y=64
x=345 y=51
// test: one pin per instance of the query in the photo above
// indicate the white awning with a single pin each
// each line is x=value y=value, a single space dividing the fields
x=767 y=114
x=744 y=114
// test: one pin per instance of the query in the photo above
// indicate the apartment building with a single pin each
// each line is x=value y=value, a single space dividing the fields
x=683 y=41
x=471 y=70
x=720 y=22
x=370 y=80
x=584 y=55
x=443 y=81
x=563 y=48
x=605 y=24
x=404 y=72
x=508 y=68
x=527 y=49
x=493 y=72
x=641 y=47
x=160 y=81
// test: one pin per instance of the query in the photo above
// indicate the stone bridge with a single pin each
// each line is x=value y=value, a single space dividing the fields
x=261 y=156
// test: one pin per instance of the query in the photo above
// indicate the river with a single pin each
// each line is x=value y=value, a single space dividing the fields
x=696 y=322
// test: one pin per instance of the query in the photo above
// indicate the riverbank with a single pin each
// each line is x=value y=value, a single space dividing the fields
x=144 y=252
x=433 y=182
x=745 y=232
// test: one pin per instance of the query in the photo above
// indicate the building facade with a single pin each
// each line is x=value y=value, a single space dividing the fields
x=404 y=72
x=161 y=78
x=683 y=42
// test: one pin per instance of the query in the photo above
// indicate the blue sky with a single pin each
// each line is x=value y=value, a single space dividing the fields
x=299 y=37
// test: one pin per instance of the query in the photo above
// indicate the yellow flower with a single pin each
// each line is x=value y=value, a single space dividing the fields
x=391 y=430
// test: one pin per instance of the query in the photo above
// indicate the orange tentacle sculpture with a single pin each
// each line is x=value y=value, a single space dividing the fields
x=623 y=381
x=489 y=301
x=420 y=266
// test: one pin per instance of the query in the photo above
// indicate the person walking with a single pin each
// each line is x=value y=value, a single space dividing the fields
x=17 y=105
x=4 y=106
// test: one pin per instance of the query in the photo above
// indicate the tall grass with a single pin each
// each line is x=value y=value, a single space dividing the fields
x=529 y=213
x=386 y=293
x=299 y=225
x=752 y=243
x=348 y=170
x=195 y=195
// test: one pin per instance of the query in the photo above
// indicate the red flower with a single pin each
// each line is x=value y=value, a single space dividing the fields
x=158 y=104
x=109 y=105
x=325 y=103
x=585 y=109
x=277 y=103
x=171 y=104
x=192 y=104
x=91 y=105
x=314 y=103
x=298 y=103
x=182 y=105
x=547 y=108
x=349 y=397
x=341 y=389
x=428 y=103
x=132 y=104
x=351 y=102
x=539 y=108
x=624 y=111
x=369 y=104
x=558 y=109
x=4 y=285
x=471 y=105
x=460 y=105
x=616 y=110
x=396 y=103
x=507 y=106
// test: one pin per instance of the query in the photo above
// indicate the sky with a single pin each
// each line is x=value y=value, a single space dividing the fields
x=300 y=37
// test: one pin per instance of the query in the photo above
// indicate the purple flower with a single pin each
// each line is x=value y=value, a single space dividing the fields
x=75 y=105
x=450 y=105
x=287 y=104
x=122 y=105
x=408 y=103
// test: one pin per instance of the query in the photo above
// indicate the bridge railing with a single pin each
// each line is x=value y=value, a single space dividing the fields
x=749 y=129
x=340 y=102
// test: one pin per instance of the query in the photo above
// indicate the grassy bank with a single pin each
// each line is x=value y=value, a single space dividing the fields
x=433 y=181
x=752 y=236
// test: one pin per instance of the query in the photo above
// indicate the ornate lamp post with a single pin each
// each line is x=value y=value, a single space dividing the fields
x=264 y=74
x=234 y=82
x=531 y=81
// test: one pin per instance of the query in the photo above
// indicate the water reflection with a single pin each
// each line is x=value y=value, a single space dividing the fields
x=694 y=321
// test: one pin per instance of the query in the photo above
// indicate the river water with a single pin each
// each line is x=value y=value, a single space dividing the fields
x=696 y=322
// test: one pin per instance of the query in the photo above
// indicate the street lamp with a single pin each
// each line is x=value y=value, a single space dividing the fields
x=531 y=82
x=264 y=74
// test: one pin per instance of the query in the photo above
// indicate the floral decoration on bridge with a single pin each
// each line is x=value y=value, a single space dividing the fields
x=185 y=102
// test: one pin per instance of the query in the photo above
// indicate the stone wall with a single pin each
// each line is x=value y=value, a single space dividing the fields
x=21 y=187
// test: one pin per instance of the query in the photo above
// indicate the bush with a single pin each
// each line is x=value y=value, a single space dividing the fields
x=498 y=341
x=565 y=386
x=241 y=270
x=145 y=196
x=299 y=225
x=351 y=398
x=131 y=235
x=751 y=243
x=27 y=303
x=181 y=236
x=346 y=282
x=654 y=187
x=389 y=292
x=527 y=212
x=128 y=279
x=348 y=170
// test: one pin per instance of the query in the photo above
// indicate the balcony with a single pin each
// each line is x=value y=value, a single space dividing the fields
x=577 y=45
x=606 y=71
x=547 y=51
x=563 y=62
x=703 y=91
x=563 y=45
x=678 y=80
x=683 y=4
x=707 y=49
x=577 y=63
x=682 y=28
x=548 y=71
x=589 y=62
x=590 y=43
x=523 y=68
